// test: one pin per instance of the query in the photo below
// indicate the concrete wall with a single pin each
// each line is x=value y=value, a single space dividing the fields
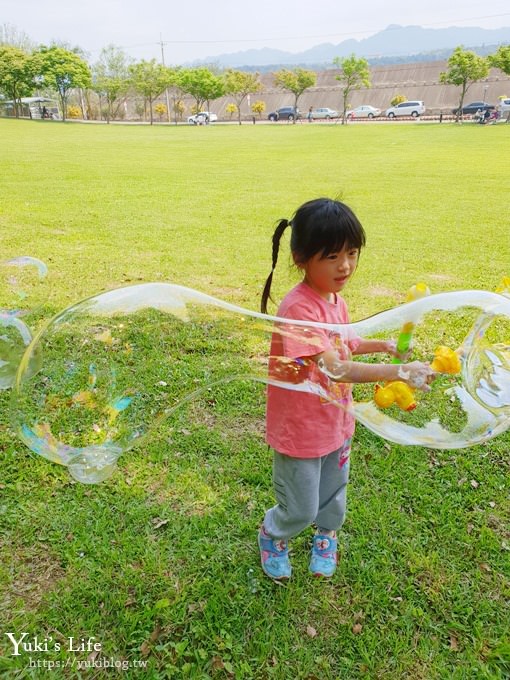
x=414 y=81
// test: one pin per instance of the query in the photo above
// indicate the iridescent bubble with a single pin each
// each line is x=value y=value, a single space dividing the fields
x=18 y=276
x=96 y=395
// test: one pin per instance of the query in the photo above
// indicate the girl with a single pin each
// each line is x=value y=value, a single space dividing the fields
x=310 y=435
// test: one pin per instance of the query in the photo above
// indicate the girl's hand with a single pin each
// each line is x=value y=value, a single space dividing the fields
x=417 y=375
x=393 y=351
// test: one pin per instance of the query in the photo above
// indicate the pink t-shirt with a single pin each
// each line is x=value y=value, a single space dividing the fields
x=315 y=417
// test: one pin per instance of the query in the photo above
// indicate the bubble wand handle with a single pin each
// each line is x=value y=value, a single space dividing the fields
x=405 y=338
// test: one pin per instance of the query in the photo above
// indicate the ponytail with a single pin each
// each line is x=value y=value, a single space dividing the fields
x=266 y=293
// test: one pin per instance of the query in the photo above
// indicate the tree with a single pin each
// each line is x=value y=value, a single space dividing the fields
x=175 y=92
x=296 y=81
x=110 y=79
x=501 y=59
x=354 y=74
x=201 y=84
x=150 y=79
x=63 y=71
x=239 y=85
x=16 y=74
x=178 y=109
x=464 y=68
x=10 y=35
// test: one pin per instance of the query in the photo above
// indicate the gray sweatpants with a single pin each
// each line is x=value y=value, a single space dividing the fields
x=308 y=491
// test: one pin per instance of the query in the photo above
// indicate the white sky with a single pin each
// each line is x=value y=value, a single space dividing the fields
x=195 y=29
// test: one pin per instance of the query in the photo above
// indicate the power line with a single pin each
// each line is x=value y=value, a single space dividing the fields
x=327 y=35
x=305 y=37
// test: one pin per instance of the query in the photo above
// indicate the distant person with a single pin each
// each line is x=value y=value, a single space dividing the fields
x=310 y=114
x=45 y=113
x=310 y=431
x=494 y=116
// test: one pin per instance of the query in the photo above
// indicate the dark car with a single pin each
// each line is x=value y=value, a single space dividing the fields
x=473 y=107
x=285 y=113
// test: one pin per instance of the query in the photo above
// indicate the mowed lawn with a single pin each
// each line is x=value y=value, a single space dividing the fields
x=159 y=564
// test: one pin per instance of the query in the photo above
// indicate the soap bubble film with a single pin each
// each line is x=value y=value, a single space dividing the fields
x=18 y=278
x=96 y=394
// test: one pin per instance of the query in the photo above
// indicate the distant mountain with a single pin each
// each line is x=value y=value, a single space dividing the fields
x=394 y=41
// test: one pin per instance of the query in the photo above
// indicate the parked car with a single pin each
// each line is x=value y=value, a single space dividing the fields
x=324 y=113
x=202 y=117
x=285 y=113
x=413 y=109
x=365 y=111
x=504 y=107
x=473 y=107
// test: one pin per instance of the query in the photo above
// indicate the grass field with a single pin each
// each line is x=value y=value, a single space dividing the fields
x=160 y=564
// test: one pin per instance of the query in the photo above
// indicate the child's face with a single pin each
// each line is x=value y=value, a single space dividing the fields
x=330 y=274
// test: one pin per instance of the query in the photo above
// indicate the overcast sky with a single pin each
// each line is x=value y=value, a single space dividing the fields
x=205 y=28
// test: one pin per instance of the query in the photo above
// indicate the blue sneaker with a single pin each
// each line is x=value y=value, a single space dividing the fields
x=274 y=556
x=324 y=556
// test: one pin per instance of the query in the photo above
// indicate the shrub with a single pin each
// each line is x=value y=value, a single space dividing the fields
x=258 y=107
x=74 y=112
x=231 y=109
x=398 y=99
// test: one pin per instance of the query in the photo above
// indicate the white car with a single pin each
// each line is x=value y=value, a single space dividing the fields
x=413 y=109
x=202 y=118
x=323 y=113
x=504 y=107
x=365 y=111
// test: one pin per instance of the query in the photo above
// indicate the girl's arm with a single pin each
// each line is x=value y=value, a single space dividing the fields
x=416 y=374
x=377 y=346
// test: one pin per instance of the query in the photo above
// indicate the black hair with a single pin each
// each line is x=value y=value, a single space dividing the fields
x=320 y=226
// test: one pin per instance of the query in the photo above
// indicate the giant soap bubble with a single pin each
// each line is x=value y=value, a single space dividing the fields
x=18 y=277
x=94 y=397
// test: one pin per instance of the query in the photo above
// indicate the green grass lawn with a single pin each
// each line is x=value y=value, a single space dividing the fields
x=160 y=563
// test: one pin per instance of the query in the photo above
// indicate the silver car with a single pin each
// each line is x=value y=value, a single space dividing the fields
x=365 y=111
x=323 y=113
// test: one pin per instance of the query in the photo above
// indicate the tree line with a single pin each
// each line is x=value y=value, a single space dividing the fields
x=62 y=70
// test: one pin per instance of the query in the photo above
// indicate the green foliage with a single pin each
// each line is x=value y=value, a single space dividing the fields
x=464 y=68
x=296 y=81
x=111 y=78
x=354 y=74
x=149 y=78
x=201 y=84
x=63 y=71
x=501 y=59
x=160 y=563
x=239 y=85
x=16 y=74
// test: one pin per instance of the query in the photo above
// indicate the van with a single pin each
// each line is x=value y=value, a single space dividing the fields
x=413 y=109
x=504 y=107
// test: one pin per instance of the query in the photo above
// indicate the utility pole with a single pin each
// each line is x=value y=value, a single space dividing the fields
x=166 y=88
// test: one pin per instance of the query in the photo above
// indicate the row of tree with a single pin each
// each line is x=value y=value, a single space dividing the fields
x=64 y=70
